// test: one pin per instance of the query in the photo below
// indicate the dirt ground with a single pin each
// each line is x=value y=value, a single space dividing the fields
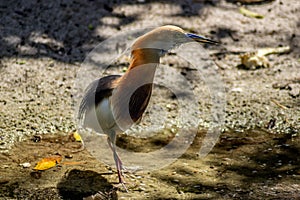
x=43 y=44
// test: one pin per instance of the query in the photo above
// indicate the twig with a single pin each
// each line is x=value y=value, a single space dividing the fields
x=278 y=104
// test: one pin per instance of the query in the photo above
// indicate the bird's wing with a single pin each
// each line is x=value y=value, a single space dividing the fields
x=131 y=97
x=139 y=102
x=94 y=93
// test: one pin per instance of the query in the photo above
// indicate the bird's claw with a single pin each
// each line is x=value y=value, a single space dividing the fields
x=121 y=184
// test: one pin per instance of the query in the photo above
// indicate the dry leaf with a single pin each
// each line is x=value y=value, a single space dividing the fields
x=77 y=137
x=48 y=162
x=254 y=60
x=249 y=13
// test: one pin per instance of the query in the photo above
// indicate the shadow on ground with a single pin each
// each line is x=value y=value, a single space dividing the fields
x=78 y=184
x=66 y=30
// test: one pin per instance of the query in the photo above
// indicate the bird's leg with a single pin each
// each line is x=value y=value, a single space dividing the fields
x=118 y=162
x=116 y=156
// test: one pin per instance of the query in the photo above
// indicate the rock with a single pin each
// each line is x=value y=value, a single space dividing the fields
x=295 y=90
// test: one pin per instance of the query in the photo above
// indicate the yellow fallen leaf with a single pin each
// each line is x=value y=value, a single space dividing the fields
x=47 y=163
x=77 y=137
x=249 y=13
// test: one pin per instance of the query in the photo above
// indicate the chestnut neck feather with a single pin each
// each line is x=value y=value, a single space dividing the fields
x=143 y=56
x=135 y=87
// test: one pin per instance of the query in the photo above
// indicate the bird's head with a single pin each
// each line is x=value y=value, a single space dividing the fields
x=167 y=37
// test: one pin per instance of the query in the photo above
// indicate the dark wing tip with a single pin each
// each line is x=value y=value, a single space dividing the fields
x=94 y=93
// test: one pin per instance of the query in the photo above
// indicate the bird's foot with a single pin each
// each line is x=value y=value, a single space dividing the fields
x=121 y=186
x=124 y=186
x=121 y=176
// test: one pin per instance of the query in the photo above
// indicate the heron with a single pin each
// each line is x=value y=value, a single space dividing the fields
x=118 y=101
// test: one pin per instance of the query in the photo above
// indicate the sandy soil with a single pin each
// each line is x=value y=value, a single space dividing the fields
x=43 y=44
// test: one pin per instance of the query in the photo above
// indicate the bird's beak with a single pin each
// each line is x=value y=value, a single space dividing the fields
x=201 y=39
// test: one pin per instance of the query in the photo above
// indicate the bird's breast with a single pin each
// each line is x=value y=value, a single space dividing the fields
x=105 y=115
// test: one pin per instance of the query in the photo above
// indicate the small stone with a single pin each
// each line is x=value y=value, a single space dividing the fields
x=25 y=165
x=69 y=156
x=236 y=90
x=36 y=138
x=295 y=90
